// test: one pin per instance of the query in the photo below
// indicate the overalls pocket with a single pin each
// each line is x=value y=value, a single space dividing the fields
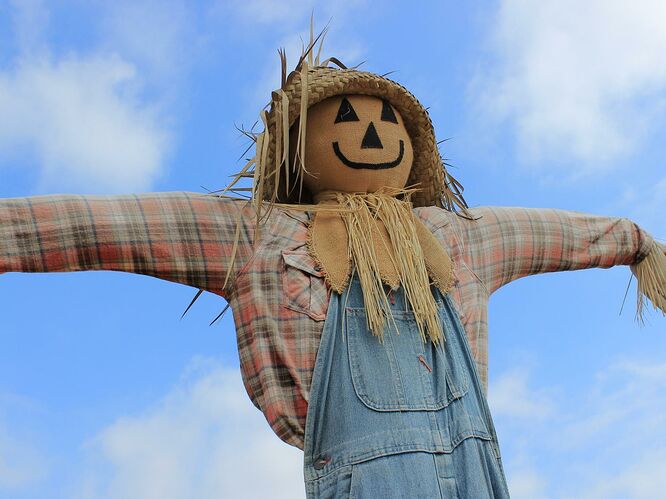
x=403 y=373
x=304 y=286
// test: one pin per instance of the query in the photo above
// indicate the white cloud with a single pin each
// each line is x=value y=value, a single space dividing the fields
x=526 y=483
x=578 y=80
x=156 y=35
x=628 y=395
x=203 y=440
x=84 y=120
x=644 y=479
x=79 y=119
x=606 y=441
x=510 y=396
x=21 y=464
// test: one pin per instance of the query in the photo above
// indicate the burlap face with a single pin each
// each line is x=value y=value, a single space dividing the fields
x=355 y=143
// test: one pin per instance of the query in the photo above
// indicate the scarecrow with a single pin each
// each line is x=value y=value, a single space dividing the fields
x=357 y=275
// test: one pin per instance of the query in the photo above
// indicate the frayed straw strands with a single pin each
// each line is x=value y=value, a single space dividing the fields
x=651 y=276
x=360 y=213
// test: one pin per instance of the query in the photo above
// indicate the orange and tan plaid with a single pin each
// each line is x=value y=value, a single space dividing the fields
x=278 y=296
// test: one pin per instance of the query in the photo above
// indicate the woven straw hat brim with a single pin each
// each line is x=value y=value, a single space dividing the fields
x=427 y=172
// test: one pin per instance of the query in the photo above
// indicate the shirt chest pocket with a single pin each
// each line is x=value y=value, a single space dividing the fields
x=303 y=284
x=403 y=373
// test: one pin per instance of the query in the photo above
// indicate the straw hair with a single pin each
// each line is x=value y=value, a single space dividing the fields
x=651 y=276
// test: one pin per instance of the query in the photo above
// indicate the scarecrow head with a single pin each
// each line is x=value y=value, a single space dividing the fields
x=338 y=128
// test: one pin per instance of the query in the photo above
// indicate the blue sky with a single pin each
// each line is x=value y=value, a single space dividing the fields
x=105 y=393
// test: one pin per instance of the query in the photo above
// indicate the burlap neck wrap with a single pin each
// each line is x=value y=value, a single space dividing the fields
x=377 y=236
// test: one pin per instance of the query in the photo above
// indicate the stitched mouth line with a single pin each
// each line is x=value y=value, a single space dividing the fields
x=368 y=166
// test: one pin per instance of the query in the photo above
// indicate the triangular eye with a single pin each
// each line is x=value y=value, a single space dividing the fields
x=346 y=112
x=387 y=112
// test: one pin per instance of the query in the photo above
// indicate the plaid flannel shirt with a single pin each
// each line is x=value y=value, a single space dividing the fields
x=278 y=296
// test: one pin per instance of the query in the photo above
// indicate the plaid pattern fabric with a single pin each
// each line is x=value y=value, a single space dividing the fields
x=278 y=295
x=504 y=244
x=182 y=237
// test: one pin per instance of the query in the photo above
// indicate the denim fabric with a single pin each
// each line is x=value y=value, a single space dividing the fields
x=398 y=419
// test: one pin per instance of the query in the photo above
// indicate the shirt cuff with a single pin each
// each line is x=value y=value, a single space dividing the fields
x=645 y=244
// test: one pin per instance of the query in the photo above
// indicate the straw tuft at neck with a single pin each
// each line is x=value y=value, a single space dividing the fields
x=361 y=213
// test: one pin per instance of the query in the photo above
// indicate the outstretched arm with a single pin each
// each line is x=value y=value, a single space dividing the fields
x=515 y=242
x=183 y=237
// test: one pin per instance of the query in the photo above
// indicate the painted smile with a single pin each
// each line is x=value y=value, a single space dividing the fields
x=369 y=166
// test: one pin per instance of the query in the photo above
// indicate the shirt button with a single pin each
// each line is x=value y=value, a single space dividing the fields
x=321 y=462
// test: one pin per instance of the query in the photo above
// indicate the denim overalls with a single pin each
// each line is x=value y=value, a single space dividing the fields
x=402 y=419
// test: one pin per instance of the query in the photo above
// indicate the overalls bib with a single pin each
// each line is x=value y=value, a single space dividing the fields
x=402 y=419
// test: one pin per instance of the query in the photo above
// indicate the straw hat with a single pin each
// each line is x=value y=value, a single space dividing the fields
x=276 y=180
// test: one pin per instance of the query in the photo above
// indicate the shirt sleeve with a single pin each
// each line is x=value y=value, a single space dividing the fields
x=508 y=243
x=195 y=239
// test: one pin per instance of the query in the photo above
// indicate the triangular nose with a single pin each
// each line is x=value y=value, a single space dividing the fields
x=371 y=139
